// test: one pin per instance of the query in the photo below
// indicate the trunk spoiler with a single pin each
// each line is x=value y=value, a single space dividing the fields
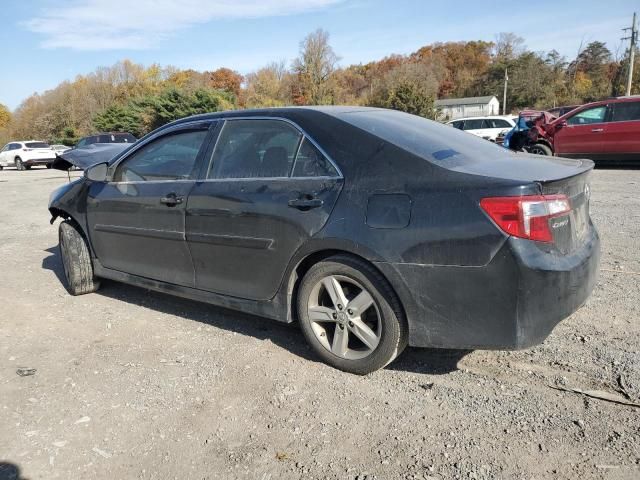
x=84 y=157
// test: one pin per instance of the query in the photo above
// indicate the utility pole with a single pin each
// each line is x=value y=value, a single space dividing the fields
x=504 y=94
x=632 y=51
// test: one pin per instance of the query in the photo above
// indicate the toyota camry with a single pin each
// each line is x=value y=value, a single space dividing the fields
x=371 y=228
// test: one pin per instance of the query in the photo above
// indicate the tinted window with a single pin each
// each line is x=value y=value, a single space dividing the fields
x=588 y=116
x=497 y=123
x=171 y=157
x=458 y=124
x=15 y=146
x=254 y=149
x=474 y=124
x=623 y=112
x=310 y=162
x=37 y=145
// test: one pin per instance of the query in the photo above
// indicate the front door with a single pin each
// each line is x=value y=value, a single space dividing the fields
x=267 y=189
x=584 y=133
x=136 y=221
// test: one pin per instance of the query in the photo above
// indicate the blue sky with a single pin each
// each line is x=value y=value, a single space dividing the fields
x=44 y=42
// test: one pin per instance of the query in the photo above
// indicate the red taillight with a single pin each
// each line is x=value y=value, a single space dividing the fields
x=526 y=216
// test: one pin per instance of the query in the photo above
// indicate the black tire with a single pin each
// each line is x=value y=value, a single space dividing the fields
x=394 y=331
x=1 y=168
x=19 y=164
x=76 y=260
x=48 y=165
x=540 y=149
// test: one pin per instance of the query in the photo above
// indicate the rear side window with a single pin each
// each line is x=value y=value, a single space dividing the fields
x=254 y=149
x=474 y=124
x=588 y=116
x=171 y=157
x=458 y=124
x=624 y=112
x=37 y=145
x=310 y=162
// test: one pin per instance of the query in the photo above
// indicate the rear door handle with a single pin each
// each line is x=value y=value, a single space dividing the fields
x=171 y=200
x=306 y=203
x=597 y=130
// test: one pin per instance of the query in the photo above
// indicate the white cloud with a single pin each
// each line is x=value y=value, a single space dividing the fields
x=142 y=24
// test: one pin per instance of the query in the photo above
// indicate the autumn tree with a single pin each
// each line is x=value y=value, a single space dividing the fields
x=313 y=68
x=225 y=79
x=268 y=87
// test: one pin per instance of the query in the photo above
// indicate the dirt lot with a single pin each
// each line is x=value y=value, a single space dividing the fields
x=134 y=384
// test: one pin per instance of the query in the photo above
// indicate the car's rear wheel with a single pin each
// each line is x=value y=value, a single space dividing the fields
x=540 y=149
x=48 y=165
x=20 y=164
x=76 y=260
x=350 y=315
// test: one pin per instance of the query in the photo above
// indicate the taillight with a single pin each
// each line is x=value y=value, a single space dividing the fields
x=527 y=216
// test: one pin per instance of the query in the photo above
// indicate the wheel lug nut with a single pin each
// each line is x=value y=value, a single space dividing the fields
x=339 y=307
x=335 y=315
x=341 y=327
x=351 y=324
x=350 y=312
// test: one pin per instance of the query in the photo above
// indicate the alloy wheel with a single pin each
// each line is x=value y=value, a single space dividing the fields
x=344 y=317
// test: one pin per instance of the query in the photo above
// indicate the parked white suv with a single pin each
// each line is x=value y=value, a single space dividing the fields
x=486 y=127
x=25 y=154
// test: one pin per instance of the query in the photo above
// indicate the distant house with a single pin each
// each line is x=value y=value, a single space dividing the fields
x=452 y=108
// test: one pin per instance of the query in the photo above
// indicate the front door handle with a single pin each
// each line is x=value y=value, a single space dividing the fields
x=171 y=200
x=306 y=203
x=597 y=130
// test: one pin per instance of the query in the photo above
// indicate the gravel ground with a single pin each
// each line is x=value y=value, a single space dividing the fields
x=134 y=384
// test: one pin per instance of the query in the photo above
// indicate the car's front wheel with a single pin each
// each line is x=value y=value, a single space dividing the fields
x=76 y=260
x=350 y=315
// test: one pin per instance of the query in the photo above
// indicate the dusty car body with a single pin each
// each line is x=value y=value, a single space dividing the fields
x=472 y=246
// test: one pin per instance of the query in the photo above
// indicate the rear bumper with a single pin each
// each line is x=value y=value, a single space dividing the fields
x=513 y=302
x=38 y=161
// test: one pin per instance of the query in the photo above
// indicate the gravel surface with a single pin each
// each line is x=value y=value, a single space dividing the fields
x=134 y=384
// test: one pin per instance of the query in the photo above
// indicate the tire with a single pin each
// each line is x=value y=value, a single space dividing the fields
x=19 y=164
x=337 y=332
x=540 y=149
x=76 y=260
x=48 y=165
x=1 y=168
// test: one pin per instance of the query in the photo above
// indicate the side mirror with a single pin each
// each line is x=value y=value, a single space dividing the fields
x=97 y=172
x=562 y=124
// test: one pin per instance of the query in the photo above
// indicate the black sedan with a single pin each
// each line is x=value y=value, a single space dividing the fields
x=372 y=228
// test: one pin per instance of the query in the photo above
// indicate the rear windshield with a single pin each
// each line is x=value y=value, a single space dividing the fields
x=438 y=143
x=36 y=145
x=116 y=138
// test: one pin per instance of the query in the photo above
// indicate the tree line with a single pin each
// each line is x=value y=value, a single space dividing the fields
x=137 y=99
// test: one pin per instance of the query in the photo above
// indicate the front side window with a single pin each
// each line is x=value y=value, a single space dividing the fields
x=497 y=123
x=254 y=149
x=171 y=157
x=310 y=162
x=588 y=116
x=458 y=124
x=626 y=111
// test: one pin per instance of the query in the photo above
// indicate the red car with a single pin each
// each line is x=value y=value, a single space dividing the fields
x=608 y=130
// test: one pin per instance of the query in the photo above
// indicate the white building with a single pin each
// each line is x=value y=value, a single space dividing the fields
x=452 y=108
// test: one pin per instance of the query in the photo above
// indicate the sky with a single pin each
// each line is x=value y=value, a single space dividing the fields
x=44 y=42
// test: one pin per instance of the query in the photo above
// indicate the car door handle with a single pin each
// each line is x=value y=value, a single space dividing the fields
x=171 y=200
x=306 y=203
x=597 y=130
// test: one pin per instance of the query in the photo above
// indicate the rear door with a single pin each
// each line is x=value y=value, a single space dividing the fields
x=622 y=138
x=584 y=134
x=266 y=189
x=136 y=221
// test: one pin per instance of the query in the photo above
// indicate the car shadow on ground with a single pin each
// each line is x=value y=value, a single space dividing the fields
x=287 y=336
x=10 y=471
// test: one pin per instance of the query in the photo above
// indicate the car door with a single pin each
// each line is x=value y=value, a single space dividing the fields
x=266 y=190
x=583 y=134
x=622 y=138
x=136 y=220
